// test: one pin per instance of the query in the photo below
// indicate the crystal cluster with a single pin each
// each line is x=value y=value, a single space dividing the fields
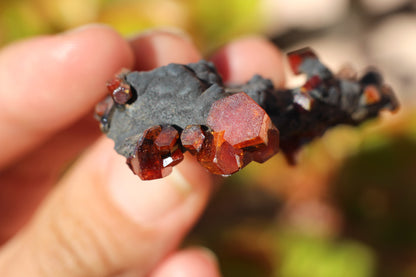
x=325 y=100
x=156 y=116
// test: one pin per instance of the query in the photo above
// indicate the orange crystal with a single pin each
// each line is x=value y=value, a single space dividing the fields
x=296 y=58
x=241 y=132
x=192 y=138
x=243 y=121
x=166 y=139
x=120 y=91
x=372 y=94
x=219 y=156
x=156 y=152
x=265 y=152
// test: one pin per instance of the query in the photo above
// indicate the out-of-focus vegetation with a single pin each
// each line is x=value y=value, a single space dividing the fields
x=349 y=207
x=211 y=23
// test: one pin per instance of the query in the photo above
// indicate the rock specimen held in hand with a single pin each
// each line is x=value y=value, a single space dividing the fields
x=155 y=116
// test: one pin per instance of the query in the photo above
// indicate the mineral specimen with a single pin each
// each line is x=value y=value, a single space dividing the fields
x=155 y=116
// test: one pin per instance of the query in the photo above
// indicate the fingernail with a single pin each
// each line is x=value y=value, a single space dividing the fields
x=146 y=201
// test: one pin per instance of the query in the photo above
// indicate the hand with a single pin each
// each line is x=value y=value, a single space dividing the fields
x=90 y=216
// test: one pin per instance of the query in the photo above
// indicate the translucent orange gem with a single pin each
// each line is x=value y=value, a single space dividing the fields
x=265 y=152
x=113 y=84
x=146 y=162
x=153 y=160
x=243 y=121
x=219 y=156
x=167 y=139
x=296 y=58
x=372 y=94
x=119 y=90
x=311 y=83
x=175 y=157
x=192 y=138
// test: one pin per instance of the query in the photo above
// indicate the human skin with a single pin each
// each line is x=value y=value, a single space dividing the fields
x=69 y=206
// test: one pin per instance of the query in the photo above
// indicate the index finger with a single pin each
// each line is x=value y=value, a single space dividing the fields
x=47 y=83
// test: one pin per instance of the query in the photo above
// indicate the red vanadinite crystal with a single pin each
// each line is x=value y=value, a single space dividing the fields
x=311 y=83
x=120 y=91
x=153 y=160
x=371 y=94
x=147 y=163
x=122 y=94
x=296 y=58
x=192 y=138
x=113 y=84
x=167 y=139
x=243 y=121
x=175 y=157
x=168 y=144
x=265 y=152
x=219 y=156
x=241 y=132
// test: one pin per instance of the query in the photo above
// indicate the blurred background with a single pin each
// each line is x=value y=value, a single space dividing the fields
x=349 y=207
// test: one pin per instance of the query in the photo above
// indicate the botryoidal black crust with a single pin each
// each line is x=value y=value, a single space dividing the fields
x=182 y=95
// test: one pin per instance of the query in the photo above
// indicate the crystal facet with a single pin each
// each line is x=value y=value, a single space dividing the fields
x=120 y=91
x=166 y=139
x=298 y=57
x=243 y=121
x=193 y=137
x=156 y=152
x=265 y=152
x=242 y=132
x=219 y=156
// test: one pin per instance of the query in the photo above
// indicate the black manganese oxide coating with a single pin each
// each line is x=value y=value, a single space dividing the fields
x=155 y=116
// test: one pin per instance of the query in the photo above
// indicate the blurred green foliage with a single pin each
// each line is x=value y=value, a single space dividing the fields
x=210 y=22
x=217 y=21
x=19 y=20
x=308 y=255
x=376 y=190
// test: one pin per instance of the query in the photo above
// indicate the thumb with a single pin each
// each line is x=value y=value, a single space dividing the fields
x=101 y=220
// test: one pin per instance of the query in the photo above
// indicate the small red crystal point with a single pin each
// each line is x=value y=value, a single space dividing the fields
x=175 y=157
x=156 y=152
x=311 y=83
x=265 y=152
x=167 y=142
x=192 y=138
x=296 y=58
x=372 y=94
x=219 y=156
x=120 y=91
x=113 y=84
x=167 y=139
